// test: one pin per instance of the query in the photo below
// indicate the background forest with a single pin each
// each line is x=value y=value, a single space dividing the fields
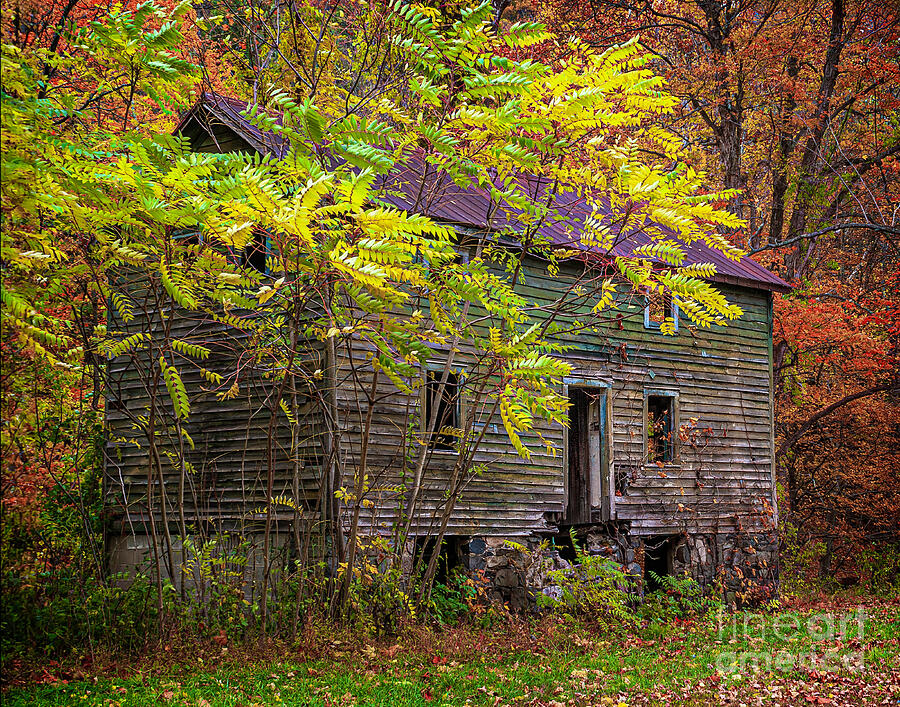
x=795 y=104
x=787 y=112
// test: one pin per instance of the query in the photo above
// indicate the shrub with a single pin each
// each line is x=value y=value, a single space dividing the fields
x=677 y=598
x=73 y=615
x=460 y=596
x=378 y=600
x=594 y=586
x=880 y=567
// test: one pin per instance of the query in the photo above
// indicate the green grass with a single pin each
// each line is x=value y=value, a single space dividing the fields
x=551 y=663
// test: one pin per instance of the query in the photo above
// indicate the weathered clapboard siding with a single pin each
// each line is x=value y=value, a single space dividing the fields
x=228 y=485
x=225 y=482
x=722 y=379
x=721 y=376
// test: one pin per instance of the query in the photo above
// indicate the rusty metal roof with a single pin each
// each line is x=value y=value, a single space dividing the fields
x=421 y=188
x=215 y=109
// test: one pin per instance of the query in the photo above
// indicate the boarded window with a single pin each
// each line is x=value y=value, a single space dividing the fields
x=660 y=428
x=658 y=308
x=442 y=401
x=255 y=252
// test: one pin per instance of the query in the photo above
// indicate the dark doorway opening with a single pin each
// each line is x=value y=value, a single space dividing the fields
x=587 y=474
x=658 y=557
x=578 y=509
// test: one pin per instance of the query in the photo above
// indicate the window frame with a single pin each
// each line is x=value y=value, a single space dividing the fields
x=463 y=253
x=649 y=324
x=436 y=368
x=183 y=234
x=675 y=447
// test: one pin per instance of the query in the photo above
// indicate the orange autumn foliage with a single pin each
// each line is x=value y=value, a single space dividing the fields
x=795 y=102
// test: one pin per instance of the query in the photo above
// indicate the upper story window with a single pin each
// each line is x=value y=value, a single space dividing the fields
x=442 y=409
x=660 y=427
x=461 y=257
x=255 y=252
x=252 y=256
x=658 y=308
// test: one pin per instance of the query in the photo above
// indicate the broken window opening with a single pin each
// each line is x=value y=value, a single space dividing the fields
x=658 y=307
x=658 y=560
x=255 y=253
x=444 y=403
x=660 y=425
x=451 y=557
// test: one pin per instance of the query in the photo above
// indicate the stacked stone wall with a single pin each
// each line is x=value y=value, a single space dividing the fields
x=742 y=568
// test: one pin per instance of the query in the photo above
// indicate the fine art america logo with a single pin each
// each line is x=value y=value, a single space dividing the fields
x=822 y=642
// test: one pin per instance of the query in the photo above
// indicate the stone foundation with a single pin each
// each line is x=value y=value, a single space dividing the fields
x=129 y=554
x=741 y=567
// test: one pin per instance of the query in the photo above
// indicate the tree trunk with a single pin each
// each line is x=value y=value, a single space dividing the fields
x=798 y=260
x=786 y=144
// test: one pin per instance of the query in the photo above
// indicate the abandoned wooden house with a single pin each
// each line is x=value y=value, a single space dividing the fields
x=667 y=464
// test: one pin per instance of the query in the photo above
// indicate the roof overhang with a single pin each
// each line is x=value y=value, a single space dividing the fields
x=471 y=207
